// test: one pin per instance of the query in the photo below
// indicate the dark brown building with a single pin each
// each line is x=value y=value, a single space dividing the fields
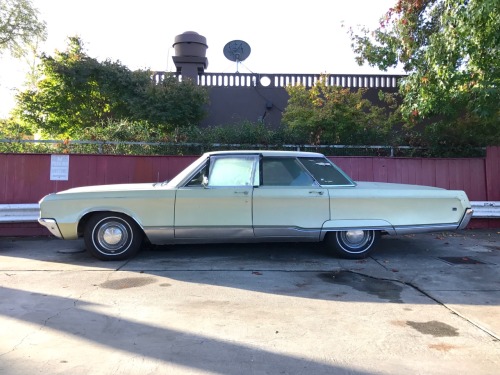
x=235 y=97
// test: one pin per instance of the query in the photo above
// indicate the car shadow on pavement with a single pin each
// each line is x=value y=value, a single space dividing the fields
x=401 y=265
x=415 y=267
x=74 y=318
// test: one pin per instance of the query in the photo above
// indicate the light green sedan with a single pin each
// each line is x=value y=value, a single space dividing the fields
x=251 y=196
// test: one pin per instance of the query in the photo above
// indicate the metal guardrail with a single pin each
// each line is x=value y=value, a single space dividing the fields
x=25 y=213
x=19 y=213
x=486 y=210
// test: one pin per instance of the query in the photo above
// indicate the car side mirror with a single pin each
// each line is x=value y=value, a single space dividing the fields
x=204 y=183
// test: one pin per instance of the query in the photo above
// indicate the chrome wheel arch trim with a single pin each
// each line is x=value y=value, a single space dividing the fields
x=111 y=211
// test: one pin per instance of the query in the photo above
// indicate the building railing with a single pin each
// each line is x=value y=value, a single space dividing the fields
x=283 y=80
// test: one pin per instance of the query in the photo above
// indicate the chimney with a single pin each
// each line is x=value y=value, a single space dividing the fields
x=190 y=50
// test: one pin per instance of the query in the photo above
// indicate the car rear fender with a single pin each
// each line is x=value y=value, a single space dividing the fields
x=368 y=224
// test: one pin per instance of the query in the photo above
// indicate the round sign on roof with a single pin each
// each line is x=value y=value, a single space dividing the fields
x=237 y=50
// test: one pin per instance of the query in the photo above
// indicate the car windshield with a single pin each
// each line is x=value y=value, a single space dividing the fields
x=325 y=172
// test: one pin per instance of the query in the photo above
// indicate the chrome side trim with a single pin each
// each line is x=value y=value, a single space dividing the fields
x=386 y=229
x=159 y=235
x=169 y=235
x=51 y=225
x=465 y=220
x=350 y=224
x=275 y=232
x=415 y=229
x=405 y=229
x=213 y=232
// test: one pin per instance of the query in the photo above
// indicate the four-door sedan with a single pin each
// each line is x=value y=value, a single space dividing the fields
x=251 y=196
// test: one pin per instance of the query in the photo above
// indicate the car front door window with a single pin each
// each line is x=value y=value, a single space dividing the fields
x=232 y=171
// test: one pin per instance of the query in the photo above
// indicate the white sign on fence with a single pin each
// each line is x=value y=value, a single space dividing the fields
x=59 y=167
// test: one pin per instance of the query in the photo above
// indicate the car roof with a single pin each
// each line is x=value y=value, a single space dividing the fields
x=266 y=153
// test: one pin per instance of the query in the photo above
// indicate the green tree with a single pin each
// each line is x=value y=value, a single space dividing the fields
x=77 y=91
x=450 y=51
x=335 y=115
x=19 y=26
x=172 y=103
x=74 y=92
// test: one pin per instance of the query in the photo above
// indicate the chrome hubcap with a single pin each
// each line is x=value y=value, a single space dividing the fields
x=112 y=236
x=356 y=240
x=355 y=236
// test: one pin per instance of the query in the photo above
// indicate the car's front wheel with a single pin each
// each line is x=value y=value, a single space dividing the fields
x=112 y=236
x=352 y=244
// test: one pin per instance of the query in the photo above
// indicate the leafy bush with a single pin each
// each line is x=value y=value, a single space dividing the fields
x=141 y=138
x=327 y=114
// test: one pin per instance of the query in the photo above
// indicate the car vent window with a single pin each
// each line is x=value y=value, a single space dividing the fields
x=197 y=180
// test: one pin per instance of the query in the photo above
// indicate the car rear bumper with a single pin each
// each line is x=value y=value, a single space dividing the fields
x=466 y=218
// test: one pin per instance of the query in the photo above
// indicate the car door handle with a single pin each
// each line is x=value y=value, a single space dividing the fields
x=316 y=192
x=241 y=192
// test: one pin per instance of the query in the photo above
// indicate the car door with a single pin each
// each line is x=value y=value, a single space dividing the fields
x=217 y=202
x=289 y=202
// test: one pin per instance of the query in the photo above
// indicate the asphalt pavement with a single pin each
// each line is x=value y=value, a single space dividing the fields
x=421 y=304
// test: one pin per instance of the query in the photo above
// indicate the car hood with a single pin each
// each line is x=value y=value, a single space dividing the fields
x=390 y=186
x=110 y=188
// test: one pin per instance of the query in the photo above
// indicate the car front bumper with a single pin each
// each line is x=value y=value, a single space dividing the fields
x=51 y=225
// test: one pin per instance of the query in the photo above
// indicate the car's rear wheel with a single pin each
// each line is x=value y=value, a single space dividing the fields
x=112 y=236
x=352 y=244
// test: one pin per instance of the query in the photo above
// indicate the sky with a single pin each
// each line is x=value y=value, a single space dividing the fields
x=293 y=36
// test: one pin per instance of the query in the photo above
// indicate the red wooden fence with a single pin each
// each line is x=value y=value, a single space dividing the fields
x=458 y=174
x=25 y=178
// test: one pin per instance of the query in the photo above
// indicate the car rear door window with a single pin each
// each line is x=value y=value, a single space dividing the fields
x=284 y=171
x=325 y=172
